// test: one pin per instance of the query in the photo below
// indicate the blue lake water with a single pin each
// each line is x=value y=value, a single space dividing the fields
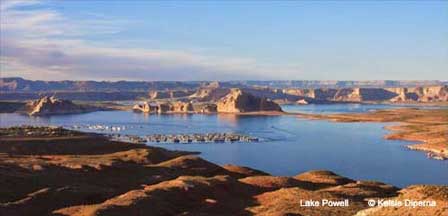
x=293 y=145
x=350 y=107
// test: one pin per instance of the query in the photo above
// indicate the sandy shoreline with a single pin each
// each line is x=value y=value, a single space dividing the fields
x=428 y=127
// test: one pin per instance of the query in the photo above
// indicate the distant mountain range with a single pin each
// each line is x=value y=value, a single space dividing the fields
x=17 y=84
x=294 y=91
x=345 y=84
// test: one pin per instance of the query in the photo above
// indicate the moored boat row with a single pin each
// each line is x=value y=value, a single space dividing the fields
x=187 y=138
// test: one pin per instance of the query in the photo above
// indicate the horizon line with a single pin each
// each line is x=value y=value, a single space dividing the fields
x=246 y=80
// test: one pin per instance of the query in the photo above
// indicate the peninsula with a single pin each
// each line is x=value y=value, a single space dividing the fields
x=428 y=127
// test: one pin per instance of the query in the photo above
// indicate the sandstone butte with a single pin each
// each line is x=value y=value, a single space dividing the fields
x=238 y=101
x=170 y=107
x=235 y=101
x=216 y=94
x=53 y=171
x=53 y=106
x=399 y=94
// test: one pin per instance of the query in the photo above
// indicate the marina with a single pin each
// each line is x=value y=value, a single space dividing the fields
x=186 y=138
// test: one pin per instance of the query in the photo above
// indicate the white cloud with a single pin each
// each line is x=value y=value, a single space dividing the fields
x=43 y=44
x=8 y=4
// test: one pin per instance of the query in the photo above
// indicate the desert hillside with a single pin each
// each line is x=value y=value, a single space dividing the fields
x=53 y=171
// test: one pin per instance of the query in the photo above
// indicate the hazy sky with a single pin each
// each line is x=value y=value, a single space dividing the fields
x=205 y=40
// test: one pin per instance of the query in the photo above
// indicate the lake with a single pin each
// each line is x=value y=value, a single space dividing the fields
x=350 y=107
x=291 y=145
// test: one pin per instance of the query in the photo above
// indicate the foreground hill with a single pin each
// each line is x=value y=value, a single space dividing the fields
x=53 y=171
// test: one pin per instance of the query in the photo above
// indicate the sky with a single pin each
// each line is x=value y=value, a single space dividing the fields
x=224 y=40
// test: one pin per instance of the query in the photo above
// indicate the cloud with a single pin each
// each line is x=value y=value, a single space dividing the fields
x=5 y=5
x=43 y=44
